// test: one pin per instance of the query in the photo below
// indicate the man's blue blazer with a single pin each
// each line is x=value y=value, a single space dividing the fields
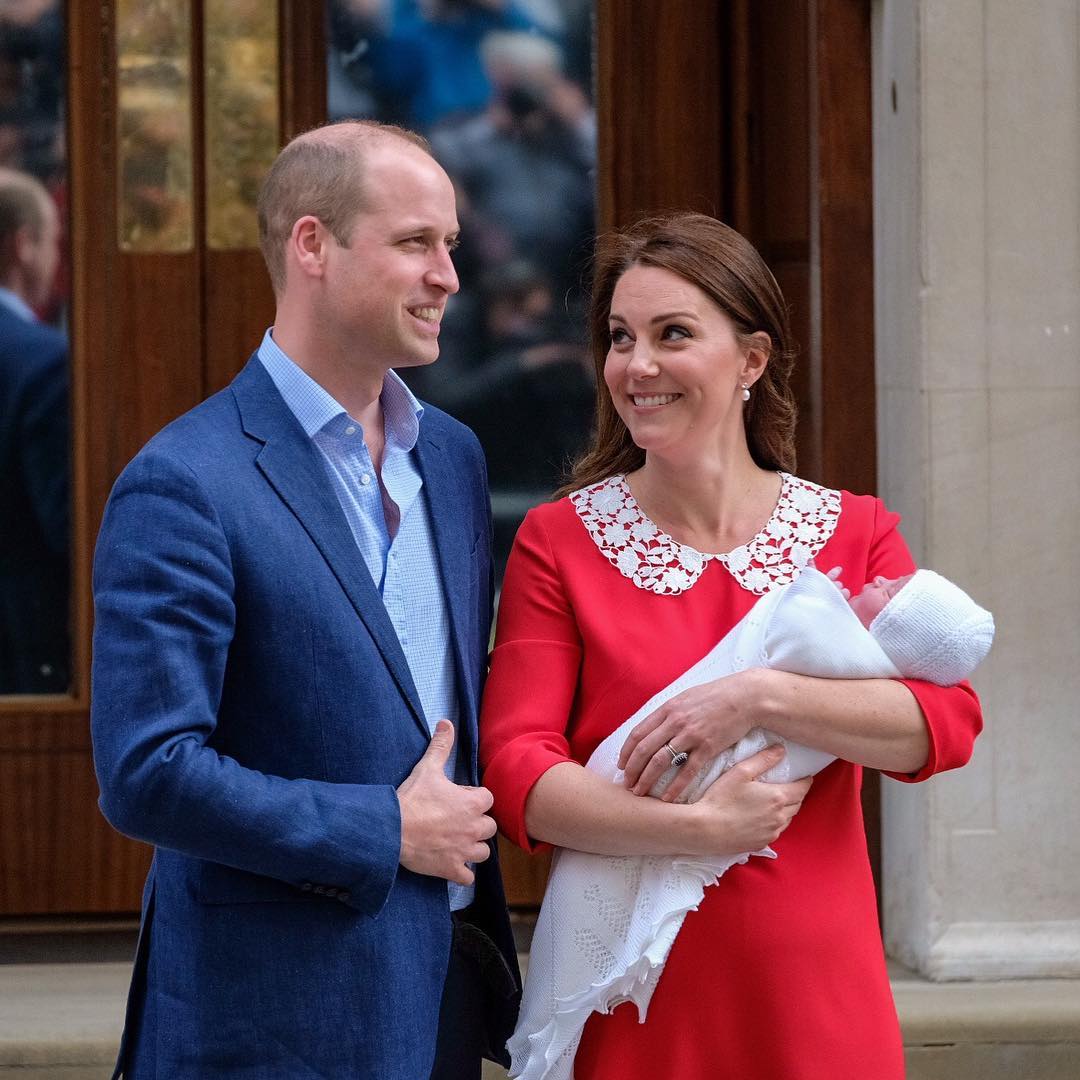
x=252 y=714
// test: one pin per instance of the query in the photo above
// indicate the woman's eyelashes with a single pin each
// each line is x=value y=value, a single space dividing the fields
x=672 y=332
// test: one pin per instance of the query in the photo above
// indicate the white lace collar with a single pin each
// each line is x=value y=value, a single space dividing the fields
x=804 y=519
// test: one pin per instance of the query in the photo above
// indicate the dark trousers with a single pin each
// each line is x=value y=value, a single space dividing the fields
x=462 y=1035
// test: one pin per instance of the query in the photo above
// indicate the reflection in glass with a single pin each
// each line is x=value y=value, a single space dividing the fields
x=502 y=91
x=34 y=431
x=241 y=72
x=153 y=59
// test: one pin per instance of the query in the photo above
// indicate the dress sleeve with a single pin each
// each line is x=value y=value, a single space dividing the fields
x=952 y=713
x=533 y=678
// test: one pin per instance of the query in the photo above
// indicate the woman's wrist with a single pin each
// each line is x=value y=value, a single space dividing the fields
x=764 y=692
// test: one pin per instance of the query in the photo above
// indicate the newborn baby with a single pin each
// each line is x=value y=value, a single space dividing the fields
x=608 y=922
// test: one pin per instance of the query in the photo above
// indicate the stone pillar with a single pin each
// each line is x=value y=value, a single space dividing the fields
x=977 y=208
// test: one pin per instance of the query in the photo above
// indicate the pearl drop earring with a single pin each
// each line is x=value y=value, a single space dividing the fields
x=745 y=392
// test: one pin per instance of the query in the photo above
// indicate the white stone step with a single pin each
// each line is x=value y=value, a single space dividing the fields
x=62 y=1021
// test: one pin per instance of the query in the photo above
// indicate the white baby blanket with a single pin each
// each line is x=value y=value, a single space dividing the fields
x=608 y=922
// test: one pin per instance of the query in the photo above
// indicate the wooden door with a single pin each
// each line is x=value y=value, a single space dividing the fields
x=157 y=323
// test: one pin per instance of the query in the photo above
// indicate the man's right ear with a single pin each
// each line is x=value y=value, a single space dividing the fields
x=307 y=246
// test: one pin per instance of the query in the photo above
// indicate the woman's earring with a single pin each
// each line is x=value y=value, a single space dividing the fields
x=745 y=392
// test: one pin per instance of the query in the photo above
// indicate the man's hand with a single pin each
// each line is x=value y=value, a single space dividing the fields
x=444 y=826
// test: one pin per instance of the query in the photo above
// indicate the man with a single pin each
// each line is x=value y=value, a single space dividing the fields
x=34 y=440
x=293 y=596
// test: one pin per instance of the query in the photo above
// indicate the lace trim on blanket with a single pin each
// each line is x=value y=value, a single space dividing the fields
x=803 y=520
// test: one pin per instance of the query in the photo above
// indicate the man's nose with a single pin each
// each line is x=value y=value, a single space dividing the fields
x=442 y=273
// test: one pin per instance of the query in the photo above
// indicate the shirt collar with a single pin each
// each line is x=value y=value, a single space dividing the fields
x=17 y=305
x=315 y=407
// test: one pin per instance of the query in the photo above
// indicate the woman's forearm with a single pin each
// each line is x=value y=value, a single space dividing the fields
x=571 y=807
x=872 y=722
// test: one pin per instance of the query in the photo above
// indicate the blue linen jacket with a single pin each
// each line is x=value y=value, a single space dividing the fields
x=252 y=715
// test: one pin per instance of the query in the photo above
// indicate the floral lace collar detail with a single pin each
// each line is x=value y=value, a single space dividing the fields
x=804 y=519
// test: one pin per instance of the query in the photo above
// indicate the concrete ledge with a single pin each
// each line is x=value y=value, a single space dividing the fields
x=61 y=1016
x=1013 y=1030
x=63 y=1022
x=1021 y=1011
x=994 y=1061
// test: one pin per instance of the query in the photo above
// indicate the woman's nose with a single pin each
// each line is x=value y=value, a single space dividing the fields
x=642 y=362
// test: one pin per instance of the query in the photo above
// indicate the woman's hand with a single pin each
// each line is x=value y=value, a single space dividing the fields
x=740 y=813
x=699 y=722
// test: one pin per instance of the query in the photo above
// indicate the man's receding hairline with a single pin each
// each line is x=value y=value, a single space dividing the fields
x=347 y=135
x=362 y=142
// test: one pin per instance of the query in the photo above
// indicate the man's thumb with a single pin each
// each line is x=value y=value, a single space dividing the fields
x=442 y=742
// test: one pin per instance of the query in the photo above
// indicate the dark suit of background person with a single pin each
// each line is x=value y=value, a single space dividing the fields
x=254 y=712
x=34 y=439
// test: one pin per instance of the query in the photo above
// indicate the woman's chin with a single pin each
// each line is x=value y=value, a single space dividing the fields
x=653 y=437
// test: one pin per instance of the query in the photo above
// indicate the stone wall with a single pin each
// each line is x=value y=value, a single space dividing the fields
x=977 y=206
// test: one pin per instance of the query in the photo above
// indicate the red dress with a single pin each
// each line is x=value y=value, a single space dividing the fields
x=780 y=975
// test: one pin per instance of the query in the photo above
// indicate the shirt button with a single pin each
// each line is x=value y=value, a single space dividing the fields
x=365 y=479
x=350 y=430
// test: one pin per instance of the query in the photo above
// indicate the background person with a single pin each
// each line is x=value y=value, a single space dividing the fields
x=680 y=515
x=34 y=447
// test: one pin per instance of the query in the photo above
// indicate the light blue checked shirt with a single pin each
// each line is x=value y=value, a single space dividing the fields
x=403 y=566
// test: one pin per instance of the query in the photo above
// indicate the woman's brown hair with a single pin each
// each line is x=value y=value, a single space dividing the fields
x=728 y=269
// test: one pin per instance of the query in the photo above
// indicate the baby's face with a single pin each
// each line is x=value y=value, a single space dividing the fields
x=875 y=596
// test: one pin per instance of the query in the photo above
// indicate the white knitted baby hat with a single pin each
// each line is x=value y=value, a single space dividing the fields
x=933 y=630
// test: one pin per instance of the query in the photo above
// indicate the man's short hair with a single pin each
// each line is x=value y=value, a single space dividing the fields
x=321 y=173
x=23 y=202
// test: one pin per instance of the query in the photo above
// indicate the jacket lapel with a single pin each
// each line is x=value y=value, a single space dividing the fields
x=452 y=531
x=292 y=466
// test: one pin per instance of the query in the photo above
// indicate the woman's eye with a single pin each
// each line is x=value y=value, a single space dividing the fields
x=675 y=333
x=619 y=336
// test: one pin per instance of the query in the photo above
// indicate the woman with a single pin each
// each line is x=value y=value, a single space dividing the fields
x=680 y=515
